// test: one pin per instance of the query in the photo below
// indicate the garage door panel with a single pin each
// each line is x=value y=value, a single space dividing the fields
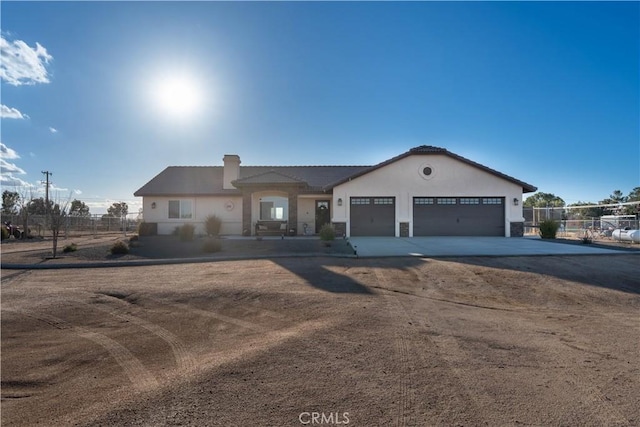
x=448 y=216
x=373 y=216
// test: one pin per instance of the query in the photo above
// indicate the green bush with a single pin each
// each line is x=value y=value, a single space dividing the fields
x=133 y=238
x=70 y=248
x=549 y=229
x=212 y=225
x=119 y=248
x=186 y=232
x=5 y=233
x=327 y=233
x=148 y=229
x=212 y=245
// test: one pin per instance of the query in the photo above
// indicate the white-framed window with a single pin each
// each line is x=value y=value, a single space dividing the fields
x=180 y=209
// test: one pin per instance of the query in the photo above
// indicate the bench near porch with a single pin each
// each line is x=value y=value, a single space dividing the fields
x=271 y=228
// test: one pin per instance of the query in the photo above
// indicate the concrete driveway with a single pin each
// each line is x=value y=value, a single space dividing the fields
x=467 y=246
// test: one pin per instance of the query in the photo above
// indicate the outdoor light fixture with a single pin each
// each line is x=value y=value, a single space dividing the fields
x=515 y=201
x=339 y=202
x=153 y=205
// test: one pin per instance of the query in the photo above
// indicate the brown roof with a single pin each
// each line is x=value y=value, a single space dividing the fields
x=208 y=180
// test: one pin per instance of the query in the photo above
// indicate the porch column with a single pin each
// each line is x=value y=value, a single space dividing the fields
x=293 y=210
x=246 y=213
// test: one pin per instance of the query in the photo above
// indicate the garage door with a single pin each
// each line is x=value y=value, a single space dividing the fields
x=373 y=216
x=458 y=216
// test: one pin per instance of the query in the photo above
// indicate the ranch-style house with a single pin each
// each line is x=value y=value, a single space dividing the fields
x=426 y=191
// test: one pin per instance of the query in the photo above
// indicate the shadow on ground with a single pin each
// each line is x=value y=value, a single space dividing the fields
x=162 y=247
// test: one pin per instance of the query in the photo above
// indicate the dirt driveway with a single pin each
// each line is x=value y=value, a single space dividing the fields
x=408 y=342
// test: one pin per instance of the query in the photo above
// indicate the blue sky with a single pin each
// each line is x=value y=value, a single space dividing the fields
x=547 y=92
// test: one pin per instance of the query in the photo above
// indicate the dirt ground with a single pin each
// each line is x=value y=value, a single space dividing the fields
x=300 y=341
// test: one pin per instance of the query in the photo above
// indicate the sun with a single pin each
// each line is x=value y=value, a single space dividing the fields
x=177 y=95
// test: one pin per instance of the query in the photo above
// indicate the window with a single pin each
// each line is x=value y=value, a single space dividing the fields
x=469 y=201
x=492 y=201
x=423 y=200
x=180 y=209
x=426 y=171
x=383 y=201
x=360 y=200
x=446 y=201
x=274 y=208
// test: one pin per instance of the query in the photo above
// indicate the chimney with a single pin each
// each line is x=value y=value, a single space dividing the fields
x=231 y=170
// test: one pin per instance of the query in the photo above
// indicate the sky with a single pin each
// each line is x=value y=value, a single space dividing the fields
x=105 y=95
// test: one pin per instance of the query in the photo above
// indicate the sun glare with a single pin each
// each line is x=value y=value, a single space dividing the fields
x=177 y=95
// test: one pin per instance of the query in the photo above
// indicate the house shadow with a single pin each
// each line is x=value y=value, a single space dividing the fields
x=314 y=271
x=614 y=272
x=321 y=272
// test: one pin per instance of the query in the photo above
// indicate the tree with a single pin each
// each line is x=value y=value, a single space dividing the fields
x=78 y=208
x=26 y=196
x=57 y=217
x=615 y=197
x=39 y=206
x=543 y=200
x=634 y=196
x=118 y=210
x=10 y=200
x=586 y=213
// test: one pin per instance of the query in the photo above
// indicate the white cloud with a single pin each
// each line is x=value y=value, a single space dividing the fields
x=53 y=130
x=23 y=65
x=11 y=113
x=7 y=153
x=8 y=169
x=12 y=181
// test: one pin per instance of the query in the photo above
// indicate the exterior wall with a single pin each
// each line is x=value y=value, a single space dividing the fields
x=307 y=213
x=229 y=209
x=403 y=180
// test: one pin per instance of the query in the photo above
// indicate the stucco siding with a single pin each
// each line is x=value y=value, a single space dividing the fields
x=404 y=180
x=228 y=209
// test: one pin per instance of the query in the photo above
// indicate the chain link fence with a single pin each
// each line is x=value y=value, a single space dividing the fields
x=38 y=225
x=601 y=227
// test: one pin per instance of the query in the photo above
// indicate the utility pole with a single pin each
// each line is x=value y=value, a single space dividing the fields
x=46 y=188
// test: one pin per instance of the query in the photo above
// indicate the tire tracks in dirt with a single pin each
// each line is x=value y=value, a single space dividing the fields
x=139 y=376
x=215 y=315
x=405 y=404
x=597 y=405
x=183 y=358
x=445 y=350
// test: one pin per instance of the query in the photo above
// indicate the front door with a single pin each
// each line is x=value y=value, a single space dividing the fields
x=322 y=214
